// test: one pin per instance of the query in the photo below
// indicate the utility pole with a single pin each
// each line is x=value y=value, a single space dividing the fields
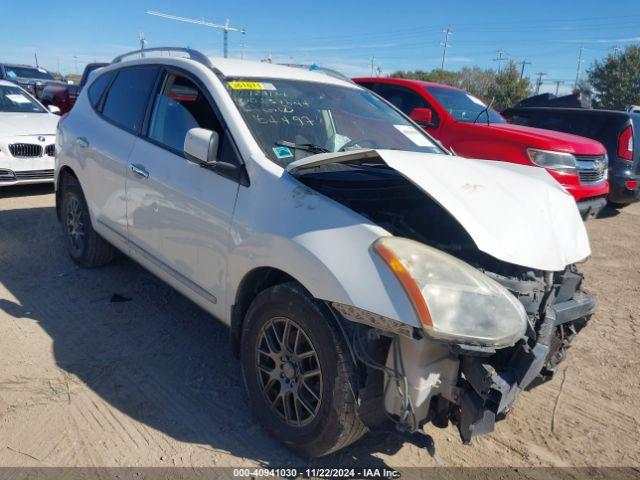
x=523 y=63
x=378 y=71
x=373 y=67
x=616 y=50
x=558 y=82
x=36 y=55
x=575 y=85
x=226 y=28
x=445 y=45
x=75 y=58
x=501 y=54
x=539 y=81
x=143 y=40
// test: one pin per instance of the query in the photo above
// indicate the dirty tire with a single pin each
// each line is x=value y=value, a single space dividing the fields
x=335 y=423
x=84 y=245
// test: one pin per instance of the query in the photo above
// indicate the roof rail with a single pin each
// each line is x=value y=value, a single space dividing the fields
x=316 y=68
x=194 y=55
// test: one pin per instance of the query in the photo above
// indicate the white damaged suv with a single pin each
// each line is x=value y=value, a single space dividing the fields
x=369 y=278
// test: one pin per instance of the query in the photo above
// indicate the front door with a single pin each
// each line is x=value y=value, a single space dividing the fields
x=179 y=213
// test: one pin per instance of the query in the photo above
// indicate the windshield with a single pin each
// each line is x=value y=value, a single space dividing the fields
x=463 y=106
x=27 y=72
x=292 y=119
x=14 y=99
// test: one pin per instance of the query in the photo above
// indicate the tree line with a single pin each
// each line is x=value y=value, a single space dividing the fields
x=614 y=81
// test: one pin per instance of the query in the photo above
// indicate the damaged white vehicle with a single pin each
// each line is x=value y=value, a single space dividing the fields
x=369 y=277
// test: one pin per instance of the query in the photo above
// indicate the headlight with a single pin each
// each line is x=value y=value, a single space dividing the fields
x=559 y=161
x=453 y=301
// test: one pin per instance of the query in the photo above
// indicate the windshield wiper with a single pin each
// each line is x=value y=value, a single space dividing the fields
x=307 y=147
x=485 y=110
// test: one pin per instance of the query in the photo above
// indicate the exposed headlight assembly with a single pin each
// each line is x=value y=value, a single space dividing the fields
x=559 y=161
x=453 y=301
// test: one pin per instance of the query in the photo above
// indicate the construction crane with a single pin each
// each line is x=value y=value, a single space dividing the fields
x=226 y=28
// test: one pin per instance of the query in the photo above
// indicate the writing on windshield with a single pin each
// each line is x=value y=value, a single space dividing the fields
x=291 y=119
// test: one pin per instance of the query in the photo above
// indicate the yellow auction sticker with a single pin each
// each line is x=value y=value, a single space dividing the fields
x=245 y=85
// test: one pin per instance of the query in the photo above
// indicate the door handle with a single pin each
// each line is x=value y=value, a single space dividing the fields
x=82 y=142
x=138 y=170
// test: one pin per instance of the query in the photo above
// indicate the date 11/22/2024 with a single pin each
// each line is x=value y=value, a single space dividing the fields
x=319 y=472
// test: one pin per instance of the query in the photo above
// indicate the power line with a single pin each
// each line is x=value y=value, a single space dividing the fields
x=558 y=82
x=499 y=59
x=523 y=63
x=445 y=45
x=539 y=81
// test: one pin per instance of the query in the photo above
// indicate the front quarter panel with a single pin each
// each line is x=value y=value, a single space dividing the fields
x=283 y=224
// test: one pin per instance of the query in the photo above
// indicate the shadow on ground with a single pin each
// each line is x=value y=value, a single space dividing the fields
x=152 y=354
x=26 y=190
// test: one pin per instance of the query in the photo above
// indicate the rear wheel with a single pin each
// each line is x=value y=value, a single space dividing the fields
x=297 y=372
x=84 y=245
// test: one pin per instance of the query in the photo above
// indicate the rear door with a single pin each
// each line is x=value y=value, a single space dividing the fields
x=179 y=213
x=103 y=142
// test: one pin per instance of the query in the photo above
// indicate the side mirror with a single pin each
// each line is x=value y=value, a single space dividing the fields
x=423 y=116
x=53 y=109
x=201 y=146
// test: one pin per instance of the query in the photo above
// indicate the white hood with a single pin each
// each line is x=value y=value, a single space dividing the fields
x=516 y=213
x=16 y=124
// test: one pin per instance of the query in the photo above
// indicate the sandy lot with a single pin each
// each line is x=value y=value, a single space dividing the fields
x=110 y=367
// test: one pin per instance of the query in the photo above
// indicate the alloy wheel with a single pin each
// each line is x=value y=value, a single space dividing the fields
x=289 y=372
x=75 y=225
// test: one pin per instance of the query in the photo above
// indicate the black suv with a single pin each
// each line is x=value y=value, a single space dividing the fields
x=617 y=131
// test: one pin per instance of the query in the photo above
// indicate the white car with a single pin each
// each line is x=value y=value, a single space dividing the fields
x=27 y=137
x=368 y=276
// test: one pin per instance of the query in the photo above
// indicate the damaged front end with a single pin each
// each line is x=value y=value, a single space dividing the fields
x=411 y=379
x=490 y=380
x=493 y=321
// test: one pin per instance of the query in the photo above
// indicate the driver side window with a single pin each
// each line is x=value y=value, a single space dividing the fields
x=179 y=107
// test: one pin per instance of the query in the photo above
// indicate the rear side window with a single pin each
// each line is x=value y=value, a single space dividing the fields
x=98 y=87
x=127 y=97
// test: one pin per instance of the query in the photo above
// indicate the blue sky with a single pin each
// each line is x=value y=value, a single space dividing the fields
x=340 y=34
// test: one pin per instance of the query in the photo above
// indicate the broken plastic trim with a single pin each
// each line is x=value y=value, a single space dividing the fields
x=386 y=324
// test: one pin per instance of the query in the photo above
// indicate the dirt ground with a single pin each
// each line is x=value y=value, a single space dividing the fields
x=110 y=367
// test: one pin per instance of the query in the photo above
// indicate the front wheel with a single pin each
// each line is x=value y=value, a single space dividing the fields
x=298 y=372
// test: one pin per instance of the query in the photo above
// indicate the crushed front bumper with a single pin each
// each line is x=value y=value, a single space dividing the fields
x=489 y=383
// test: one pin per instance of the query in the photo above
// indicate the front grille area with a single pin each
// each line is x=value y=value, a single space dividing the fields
x=592 y=169
x=50 y=150
x=34 y=174
x=591 y=176
x=25 y=150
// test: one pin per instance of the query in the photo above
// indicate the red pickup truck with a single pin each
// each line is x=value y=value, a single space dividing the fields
x=64 y=95
x=464 y=124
